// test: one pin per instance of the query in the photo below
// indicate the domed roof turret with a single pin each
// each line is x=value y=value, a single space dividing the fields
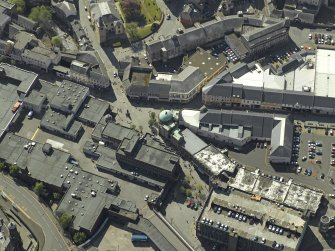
x=165 y=116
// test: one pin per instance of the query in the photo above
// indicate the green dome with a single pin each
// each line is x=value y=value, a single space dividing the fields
x=165 y=116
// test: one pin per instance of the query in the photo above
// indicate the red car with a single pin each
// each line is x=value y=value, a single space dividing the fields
x=190 y=203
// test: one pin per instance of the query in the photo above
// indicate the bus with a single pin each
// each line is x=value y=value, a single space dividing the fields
x=139 y=238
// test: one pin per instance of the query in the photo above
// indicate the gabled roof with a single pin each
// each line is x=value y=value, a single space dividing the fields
x=252 y=93
x=298 y=98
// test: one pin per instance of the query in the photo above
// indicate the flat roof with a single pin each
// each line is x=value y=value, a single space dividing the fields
x=117 y=131
x=35 y=97
x=214 y=160
x=325 y=73
x=108 y=162
x=13 y=80
x=149 y=154
x=69 y=95
x=263 y=212
x=208 y=64
x=287 y=193
x=93 y=109
x=85 y=208
x=61 y=122
x=192 y=143
x=47 y=168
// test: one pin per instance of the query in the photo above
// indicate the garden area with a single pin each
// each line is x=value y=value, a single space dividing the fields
x=141 y=17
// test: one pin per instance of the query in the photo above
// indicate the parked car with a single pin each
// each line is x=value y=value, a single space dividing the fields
x=299 y=169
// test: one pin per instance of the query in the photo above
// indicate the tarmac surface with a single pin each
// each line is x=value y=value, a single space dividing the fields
x=28 y=203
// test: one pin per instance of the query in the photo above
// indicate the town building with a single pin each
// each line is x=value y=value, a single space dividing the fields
x=207 y=158
x=88 y=69
x=88 y=198
x=25 y=22
x=142 y=82
x=8 y=8
x=255 y=212
x=304 y=11
x=190 y=39
x=37 y=161
x=15 y=83
x=111 y=133
x=271 y=34
x=35 y=101
x=4 y=21
x=190 y=14
x=237 y=128
x=65 y=10
x=5 y=47
x=107 y=21
x=60 y=114
x=92 y=110
x=91 y=201
x=151 y=159
x=304 y=84
x=22 y=40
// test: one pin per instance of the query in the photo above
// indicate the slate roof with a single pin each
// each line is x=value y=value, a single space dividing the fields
x=272 y=96
x=252 y=93
x=302 y=98
x=186 y=80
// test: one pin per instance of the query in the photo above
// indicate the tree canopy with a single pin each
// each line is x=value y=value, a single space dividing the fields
x=14 y=170
x=132 y=10
x=20 y=5
x=132 y=31
x=2 y=165
x=79 y=237
x=65 y=220
x=41 y=14
x=56 y=41
x=38 y=187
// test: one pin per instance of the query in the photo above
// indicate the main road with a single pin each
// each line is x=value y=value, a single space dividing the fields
x=27 y=202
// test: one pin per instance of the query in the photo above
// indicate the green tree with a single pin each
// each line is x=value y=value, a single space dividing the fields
x=40 y=14
x=56 y=41
x=14 y=170
x=79 y=237
x=132 y=10
x=12 y=62
x=56 y=196
x=2 y=166
x=188 y=192
x=140 y=128
x=153 y=115
x=132 y=32
x=65 y=220
x=199 y=187
x=133 y=126
x=20 y=5
x=38 y=188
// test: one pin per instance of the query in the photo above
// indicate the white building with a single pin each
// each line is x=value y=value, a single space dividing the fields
x=106 y=20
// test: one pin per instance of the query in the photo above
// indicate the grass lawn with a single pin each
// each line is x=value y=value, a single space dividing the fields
x=152 y=14
x=150 y=10
x=144 y=31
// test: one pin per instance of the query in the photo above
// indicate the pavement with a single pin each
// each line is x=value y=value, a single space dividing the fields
x=36 y=211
